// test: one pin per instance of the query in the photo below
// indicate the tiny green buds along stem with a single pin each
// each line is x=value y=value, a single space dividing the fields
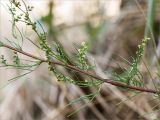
x=141 y=48
x=133 y=76
x=16 y=59
x=82 y=56
x=3 y=60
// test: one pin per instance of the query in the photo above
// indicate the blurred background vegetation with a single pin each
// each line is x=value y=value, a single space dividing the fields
x=113 y=29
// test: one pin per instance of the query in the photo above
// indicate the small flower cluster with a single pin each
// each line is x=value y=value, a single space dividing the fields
x=85 y=83
x=16 y=59
x=82 y=56
x=3 y=61
x=64 y=78
x=141 y=48
x=15 y=6
x=25 y=18
x=30 y=8
x=60 y=76
x=133 y=76
x=16 y=3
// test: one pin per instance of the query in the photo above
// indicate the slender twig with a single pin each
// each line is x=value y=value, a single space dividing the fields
x=24 y=53
x=109 y=81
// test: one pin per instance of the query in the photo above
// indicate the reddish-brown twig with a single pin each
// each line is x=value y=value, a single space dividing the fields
x=109 y=81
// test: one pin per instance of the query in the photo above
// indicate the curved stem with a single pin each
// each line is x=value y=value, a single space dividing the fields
x=109 y=81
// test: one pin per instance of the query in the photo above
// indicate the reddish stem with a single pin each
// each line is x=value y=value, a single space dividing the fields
x=109 y=81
